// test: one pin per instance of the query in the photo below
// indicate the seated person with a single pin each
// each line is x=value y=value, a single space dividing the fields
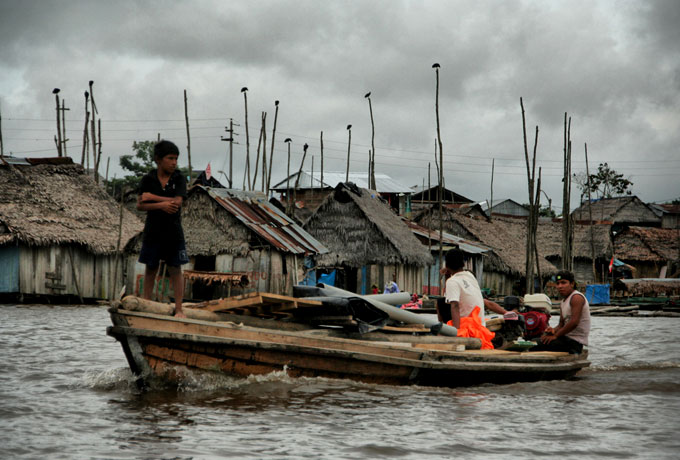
x=571 y=334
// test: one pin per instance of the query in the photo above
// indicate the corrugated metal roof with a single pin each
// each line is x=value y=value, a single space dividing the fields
x=267 y=221
x=383 y=182
x=448 y=239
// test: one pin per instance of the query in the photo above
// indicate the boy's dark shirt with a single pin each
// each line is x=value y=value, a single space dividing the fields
x=161 y=226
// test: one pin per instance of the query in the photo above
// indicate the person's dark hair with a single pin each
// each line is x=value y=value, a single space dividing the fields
x=565 y=275
x=455 y=259
x=163 y=148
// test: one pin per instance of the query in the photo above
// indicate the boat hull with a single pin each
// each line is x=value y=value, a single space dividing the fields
x=166 y=347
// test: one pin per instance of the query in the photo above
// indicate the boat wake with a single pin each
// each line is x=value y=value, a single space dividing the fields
x=634 y=366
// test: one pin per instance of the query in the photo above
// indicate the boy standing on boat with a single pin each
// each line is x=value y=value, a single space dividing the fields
x=161 y=194
x=571 y=334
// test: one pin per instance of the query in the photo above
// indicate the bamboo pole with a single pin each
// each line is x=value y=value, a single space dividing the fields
x=259 y=144
x=429 y=226
x=86 y=145
x=297 y=179
x=120 y=235
x=271 y=155
x=264 y=155
x=590 y=218
x=493 y=161
x=99 y=148
x=288 y=204
x=63 y=127
x=321 y=142
x=567 y=229
x=531 y=174
x=537 y=208
x=2 y=146
x=349 y=144
x=371 y=156
x=93 y=132
x=436 y=67
x=186 y=121
x=55 y=91
x=244 y=90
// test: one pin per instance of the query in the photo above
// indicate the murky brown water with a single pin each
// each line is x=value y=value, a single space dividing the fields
x=66 y=392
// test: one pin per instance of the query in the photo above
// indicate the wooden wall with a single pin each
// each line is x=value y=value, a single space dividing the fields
x=65 y=270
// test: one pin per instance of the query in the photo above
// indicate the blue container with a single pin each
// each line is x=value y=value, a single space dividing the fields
x=597 y=294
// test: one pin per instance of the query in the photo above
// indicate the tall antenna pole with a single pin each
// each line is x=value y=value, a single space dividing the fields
x=349 y=144
x=271 y=155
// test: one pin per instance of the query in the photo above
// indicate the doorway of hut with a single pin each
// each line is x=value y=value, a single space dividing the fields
x=200 y=290
x=347 y=279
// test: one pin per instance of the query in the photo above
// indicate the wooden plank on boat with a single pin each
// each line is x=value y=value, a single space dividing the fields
x=254 y=299
x=407 y=329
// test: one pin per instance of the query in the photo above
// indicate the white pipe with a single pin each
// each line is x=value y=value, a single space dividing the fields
x=395 y=313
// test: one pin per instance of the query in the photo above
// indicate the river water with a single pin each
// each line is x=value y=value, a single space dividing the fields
x=66 y=393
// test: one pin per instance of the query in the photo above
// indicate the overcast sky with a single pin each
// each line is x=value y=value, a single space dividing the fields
x=613 y=66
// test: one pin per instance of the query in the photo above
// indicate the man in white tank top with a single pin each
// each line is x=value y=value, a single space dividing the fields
x=571 y=334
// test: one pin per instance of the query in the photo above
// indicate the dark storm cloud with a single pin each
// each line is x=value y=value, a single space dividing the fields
x=613 y=66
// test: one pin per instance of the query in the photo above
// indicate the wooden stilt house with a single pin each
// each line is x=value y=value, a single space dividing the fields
x=61 y=234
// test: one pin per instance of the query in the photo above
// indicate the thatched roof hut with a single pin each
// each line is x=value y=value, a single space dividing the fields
x=648 y=249
x=57 y=204
x=59 y=228
x=359 y=228
x=619 y=210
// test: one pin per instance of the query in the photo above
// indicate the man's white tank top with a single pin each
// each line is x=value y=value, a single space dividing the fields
x=581 y=332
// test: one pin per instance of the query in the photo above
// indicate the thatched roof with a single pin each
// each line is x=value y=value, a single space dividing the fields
x=59 y=204
x=225 y=221
x=549 y=240
x=642 y=244
x=506 y=236
x=360 y=229
x=628 y=209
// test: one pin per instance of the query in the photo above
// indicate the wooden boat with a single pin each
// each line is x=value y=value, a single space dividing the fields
x=254 y=334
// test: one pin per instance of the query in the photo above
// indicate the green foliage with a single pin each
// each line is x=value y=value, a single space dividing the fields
x=605 y=183
x=138 y=164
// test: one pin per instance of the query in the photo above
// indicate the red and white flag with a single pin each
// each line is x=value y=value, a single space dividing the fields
x=611 y=265
x=208 y=174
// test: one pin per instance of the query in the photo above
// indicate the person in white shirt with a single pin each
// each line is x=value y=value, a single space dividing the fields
x=462 y=290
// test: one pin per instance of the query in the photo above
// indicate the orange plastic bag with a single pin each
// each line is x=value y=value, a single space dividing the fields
x=471 y=326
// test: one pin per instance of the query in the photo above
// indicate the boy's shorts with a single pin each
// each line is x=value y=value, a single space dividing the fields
x=174 y=253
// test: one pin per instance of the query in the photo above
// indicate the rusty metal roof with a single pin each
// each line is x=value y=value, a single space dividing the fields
x=266 y=220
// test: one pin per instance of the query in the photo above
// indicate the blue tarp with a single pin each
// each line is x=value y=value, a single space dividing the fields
x=328 y=278
x=597 y=294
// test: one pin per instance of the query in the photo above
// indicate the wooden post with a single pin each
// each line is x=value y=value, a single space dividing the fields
x=186 y=120
x=349 y=144
x=297 y=179
x=429 y=227
x=2 y=146
x=259 y=144
x=63 y=127
x=321 y=142
x=271 y=155
x=436 y=67
x=371 y=156
x=531 y=174
x=99 y=148
x=493 y=161
x=288 y=204
x=120 y=234
x=590 y=219
x=264 y=155
x=55 y=91
x=567 y=229
x=108 y=162
x=537 y=208
x=311 y=182
x=86 y=141
x=244 y=90
x=93 y=132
